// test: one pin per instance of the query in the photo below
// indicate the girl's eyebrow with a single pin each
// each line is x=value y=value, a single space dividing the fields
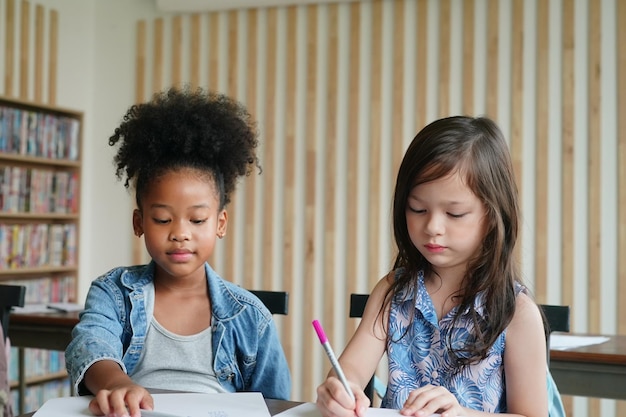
x=450 y=203
x=167 y=206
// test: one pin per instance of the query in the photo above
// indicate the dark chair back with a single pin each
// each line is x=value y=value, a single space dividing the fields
x=357 y=306
x=555 y=319
x=277 y=302
x=10 y=296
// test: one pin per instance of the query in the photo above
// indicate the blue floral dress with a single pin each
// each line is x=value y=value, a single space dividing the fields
x=421 y=356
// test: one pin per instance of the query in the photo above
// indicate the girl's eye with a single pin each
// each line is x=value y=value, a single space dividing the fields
x=456 y=216
x=160 y=221
x=198 y=221
x=418 y=211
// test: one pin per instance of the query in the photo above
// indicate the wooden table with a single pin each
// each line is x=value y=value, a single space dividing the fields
x=274 y=407
x=51 y=331
x=592 y=371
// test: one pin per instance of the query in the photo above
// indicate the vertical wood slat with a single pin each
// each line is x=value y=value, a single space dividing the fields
x=621 y=163
x=594 y=175
x=177 y=50
x=311 y=197
x=398 y=87
x=233 y=63
x=269 y=144
x=444 y=58
x=194 y=51
x=213 y=54
x=157 y=56
x=232 y=90
x=52 y=57
x=594 y=165
x=140 y=96
x=353 y=144
x=468 y=57
x=397 y=104
x=214 y=30
x=330 y=188
x=375 y=142
x=24 y=49
x=568 y=226
x=290 y=174
x=39 y=53
x=421 y=45
x=493 y=68
x=140 y=62
x=213 y=69
x=621 y=177
x=9 y=54
x=517 y=104
x=541 y=153
x=252 y=182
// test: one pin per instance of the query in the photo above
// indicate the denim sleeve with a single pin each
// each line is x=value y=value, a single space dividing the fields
x=98 y=335
x=271 y=374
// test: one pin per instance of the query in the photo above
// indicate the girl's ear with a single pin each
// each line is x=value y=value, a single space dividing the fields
x=137 y=221
x=222 y=222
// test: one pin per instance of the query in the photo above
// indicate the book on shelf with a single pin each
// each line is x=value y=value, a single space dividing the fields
x=38 y=133
x=33 y=245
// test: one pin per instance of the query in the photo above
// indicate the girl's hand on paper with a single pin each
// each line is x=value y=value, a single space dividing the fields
x=121 y=401
x=334 y=401
x=431 y=399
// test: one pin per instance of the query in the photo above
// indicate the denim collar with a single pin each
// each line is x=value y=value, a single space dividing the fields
x=224 y=304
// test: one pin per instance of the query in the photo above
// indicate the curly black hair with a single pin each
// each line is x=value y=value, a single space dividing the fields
x=186 y=128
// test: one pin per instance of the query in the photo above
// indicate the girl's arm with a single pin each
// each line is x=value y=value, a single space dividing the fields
x=115 y=392
x=525 y=361
x=359 y=359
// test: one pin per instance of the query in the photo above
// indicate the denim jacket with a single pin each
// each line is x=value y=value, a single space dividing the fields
x=247 y=354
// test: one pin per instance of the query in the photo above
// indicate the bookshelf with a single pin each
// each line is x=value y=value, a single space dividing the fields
x=40 y=173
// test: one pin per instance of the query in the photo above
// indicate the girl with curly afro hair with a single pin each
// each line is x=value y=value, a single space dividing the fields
x=175 y=323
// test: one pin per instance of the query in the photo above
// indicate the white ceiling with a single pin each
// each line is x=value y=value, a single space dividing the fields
x=187 y=6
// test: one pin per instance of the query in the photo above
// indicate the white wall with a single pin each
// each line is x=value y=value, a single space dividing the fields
x=96 y=76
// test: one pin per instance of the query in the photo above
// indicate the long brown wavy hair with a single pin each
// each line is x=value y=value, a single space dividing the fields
x=476 y=148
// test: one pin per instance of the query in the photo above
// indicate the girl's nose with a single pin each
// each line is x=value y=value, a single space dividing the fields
x=434 y=225
x=179 y=234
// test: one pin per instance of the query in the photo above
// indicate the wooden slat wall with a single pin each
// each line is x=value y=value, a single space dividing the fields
x=24 y=26
x=621 y=177
x=335 y=88
x=331 y=145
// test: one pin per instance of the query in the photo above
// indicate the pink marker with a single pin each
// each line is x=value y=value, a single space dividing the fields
x=331 y=355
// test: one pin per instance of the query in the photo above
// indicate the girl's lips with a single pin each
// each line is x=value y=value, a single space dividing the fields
x=180 y=255
x=434 y=248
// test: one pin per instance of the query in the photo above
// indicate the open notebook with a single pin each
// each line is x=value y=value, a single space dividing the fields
x=249 y=404
x=310 y=410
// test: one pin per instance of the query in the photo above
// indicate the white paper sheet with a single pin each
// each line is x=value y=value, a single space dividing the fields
x=310 y=410
x=569 y=341
x=249 y=404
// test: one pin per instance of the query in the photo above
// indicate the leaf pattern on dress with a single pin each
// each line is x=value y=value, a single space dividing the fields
x=418 y=354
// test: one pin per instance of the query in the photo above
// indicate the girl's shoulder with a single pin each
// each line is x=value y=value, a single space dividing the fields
x=230 y=299
x=125 y=278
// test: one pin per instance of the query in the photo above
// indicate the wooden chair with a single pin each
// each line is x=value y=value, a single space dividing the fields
x=277 y=302
x=10 y=296
x=555 y=318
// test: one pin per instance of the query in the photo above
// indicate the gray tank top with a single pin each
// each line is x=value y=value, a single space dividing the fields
x=175 y=362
